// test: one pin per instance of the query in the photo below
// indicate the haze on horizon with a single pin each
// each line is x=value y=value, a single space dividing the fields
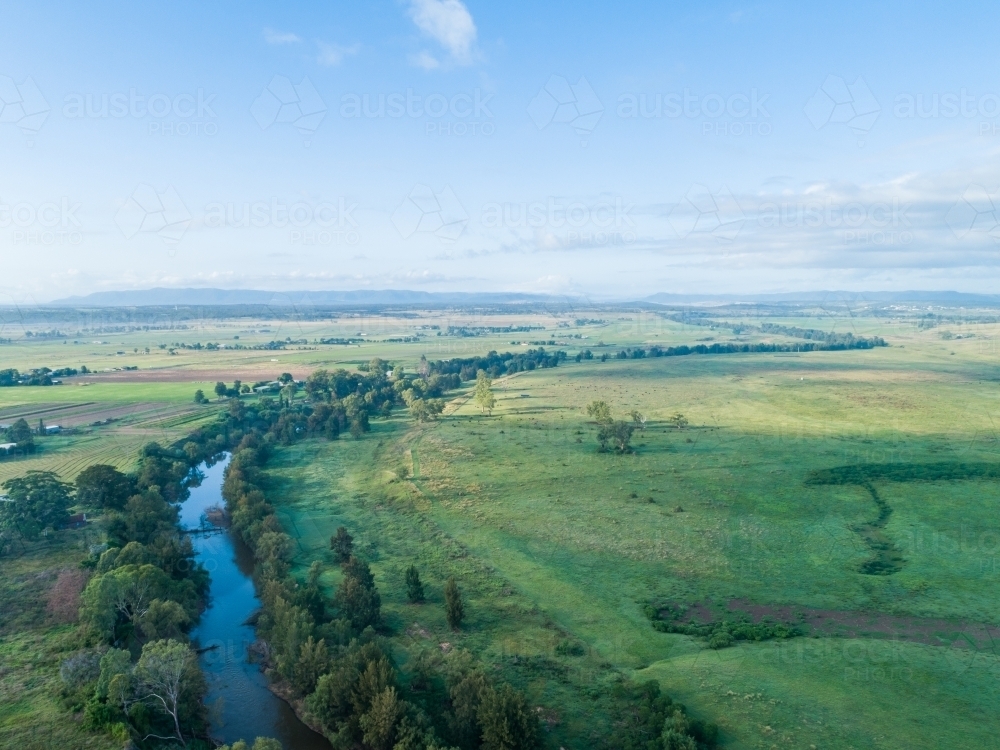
x=441 y=145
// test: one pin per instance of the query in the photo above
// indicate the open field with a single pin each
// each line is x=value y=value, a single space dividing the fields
x=578 y=542
x=553 y=542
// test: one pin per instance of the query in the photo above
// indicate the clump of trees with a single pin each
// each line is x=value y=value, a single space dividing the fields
x=143 y=683
x=650 y=720
x=20 y=433
x=36 y=502
x=36 y=376
x=495 y=364
x=614 y=434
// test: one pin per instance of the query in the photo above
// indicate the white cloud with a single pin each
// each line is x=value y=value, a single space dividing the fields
x=280 y=37
x=334 y=54
x=425 y=60
x=449 y=23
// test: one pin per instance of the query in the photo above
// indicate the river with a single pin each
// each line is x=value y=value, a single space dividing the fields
x=240 y=705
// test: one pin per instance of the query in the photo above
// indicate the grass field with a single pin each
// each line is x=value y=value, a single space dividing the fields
x=553 y=540
x=555 y=543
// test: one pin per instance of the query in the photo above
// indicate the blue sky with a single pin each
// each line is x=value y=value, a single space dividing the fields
x=606 y=150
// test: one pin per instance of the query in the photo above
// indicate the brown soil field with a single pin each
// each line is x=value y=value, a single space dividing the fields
x=90 y=413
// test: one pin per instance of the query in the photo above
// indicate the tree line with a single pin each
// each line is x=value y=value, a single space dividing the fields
x=334 y=654
x=37 y=375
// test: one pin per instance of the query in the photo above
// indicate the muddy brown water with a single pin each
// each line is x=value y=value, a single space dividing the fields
x=240 y=704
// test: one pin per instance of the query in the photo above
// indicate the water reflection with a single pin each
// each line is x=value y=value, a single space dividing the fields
x=241 y=706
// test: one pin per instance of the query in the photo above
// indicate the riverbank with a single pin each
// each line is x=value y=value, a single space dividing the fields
x=241 y=702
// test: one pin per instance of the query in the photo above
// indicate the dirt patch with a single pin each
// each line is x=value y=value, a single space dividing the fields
x=63 y=600
x=842 y=623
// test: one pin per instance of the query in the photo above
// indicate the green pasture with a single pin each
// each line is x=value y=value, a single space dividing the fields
x=553 y=540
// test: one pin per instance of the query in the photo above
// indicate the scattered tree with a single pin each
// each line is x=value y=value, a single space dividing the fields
x=454 y=609
x=342 y=544
x=484 y=392
x=424 y=410
x=599 y=411
x=220 y=389
x=617 y=433
x=678 y=420
x=199 y=397
x=414 y=588
x=357 y=598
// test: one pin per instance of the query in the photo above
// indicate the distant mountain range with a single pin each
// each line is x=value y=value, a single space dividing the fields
x=162 y=297
x=211 y=297
x=913 y=296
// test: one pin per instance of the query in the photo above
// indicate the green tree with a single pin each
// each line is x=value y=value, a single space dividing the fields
x=37 y=501
x=261 y=743
x=166 y=670
x=342 y=544
x=678 y=420
x=104 y=486
x=164 y=618
x=313 y=663
x=599 y=411
x=617 y=433
x=506 y=721
x=357 y=597
x=378 y=724
x=454 y=609
x=123 y=597
x=484 y=392
x=199 y=397
x=20 y=433
x=424 y=410
x=414 y=588
x=220 y=389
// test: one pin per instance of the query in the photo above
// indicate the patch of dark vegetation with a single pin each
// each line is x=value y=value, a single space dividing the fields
x=733 y=627
x=650 y=720
x=924 y=472
x=886 y=558
x=841 y=623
